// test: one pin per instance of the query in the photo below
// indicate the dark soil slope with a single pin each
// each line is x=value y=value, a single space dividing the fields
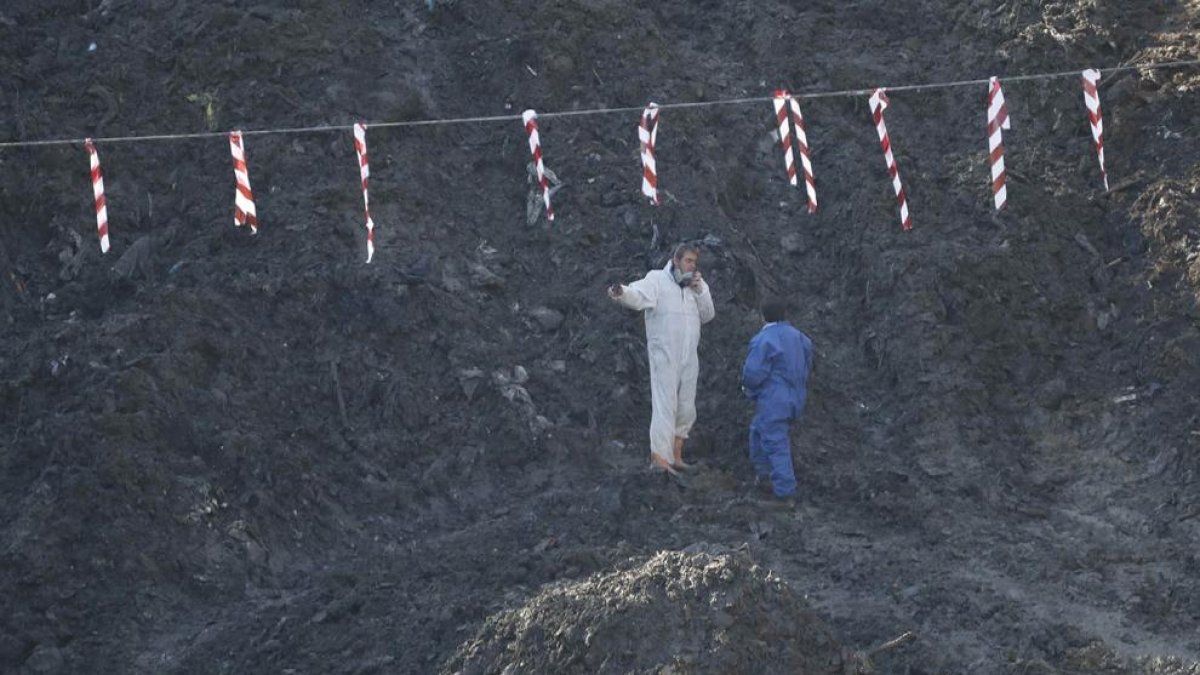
x=225 y=452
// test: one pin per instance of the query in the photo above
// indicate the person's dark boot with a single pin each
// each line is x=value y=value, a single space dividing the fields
x=670 y=474
x=785 y=503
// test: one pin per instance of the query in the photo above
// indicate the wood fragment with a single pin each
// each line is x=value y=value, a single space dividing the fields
x=337 y=390
x=1124 y=184
x=856 y=662
x=894 y=643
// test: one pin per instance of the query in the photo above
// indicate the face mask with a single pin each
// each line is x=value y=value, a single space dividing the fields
x=684 y=279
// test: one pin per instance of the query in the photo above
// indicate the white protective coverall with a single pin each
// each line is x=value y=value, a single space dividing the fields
x=673 y=318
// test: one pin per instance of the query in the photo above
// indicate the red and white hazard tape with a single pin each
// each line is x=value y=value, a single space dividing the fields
x=535 y=147
x=997 y=119
x=1091 y=98
x=243 y=198
x=784 y=102
x=879 y=103
x=364 y=170
x=98 y=191
x=648 y=137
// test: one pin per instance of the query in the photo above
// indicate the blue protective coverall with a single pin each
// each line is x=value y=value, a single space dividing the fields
x=775 y=377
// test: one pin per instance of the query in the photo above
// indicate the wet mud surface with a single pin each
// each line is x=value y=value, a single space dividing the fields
x=226 y=453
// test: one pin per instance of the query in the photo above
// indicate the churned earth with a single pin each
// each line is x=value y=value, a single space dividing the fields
x=233 y=453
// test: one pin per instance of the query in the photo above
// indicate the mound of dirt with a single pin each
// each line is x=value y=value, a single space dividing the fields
x=678 y=612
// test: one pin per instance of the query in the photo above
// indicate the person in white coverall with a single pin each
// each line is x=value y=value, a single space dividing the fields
x=675 y=301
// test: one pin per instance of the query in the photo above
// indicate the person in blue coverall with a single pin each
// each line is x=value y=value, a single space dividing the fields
x=775 y=377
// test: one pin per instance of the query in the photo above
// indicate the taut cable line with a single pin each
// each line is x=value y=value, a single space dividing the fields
x=590 y=111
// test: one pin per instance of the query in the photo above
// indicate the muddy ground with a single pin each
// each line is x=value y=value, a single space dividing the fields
x=226 y=453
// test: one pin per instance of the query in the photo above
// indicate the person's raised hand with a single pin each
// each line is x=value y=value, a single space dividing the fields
x=615 y=291
x=696 y=281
